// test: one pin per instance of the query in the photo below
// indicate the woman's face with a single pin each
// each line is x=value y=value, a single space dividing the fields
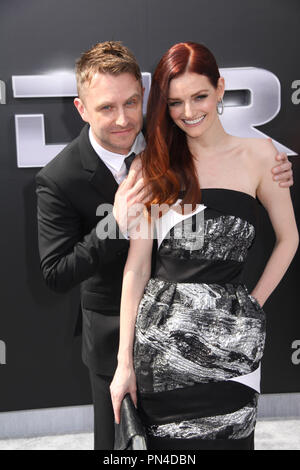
x=192 y=102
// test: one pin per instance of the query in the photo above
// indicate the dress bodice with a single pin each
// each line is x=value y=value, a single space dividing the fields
x=211 y=244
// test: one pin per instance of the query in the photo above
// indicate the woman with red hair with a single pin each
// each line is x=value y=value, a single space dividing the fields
x=191 y=336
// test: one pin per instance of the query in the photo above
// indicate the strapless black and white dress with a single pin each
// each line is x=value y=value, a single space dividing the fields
x=200 y=335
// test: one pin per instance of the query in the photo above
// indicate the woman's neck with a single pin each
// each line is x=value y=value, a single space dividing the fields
x=214 y=138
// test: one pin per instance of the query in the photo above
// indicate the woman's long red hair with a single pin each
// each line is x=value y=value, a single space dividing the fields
x=168 y=165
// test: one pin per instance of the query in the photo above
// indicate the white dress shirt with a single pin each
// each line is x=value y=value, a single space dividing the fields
x=115 y=161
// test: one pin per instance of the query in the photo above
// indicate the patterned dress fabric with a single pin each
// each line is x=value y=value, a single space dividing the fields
x=196 y=322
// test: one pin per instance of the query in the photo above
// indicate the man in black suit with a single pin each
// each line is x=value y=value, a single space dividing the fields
x=78 y=242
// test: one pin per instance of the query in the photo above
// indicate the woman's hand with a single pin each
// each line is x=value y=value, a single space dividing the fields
x=124 y=381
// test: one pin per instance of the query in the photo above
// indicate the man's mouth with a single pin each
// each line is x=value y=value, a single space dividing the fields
x=122 y=131
x=194 y=121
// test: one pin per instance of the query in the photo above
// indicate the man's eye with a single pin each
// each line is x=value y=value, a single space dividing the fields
x=106 y=108
x=131 y=102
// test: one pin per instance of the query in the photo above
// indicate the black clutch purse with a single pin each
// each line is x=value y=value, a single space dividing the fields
x=130 y=433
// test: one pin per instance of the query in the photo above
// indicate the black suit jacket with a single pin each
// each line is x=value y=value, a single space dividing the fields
x=69 y=190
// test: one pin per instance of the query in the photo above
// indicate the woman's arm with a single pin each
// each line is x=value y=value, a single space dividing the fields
x=137 y=272
x=277 y=202
x=136 y=275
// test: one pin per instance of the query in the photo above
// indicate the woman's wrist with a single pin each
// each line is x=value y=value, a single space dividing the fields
x=125 y=360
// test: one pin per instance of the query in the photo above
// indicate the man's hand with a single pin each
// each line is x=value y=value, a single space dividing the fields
x=129 y=201
x=282 y=172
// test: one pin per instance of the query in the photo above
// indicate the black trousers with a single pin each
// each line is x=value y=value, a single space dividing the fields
x=103 y=412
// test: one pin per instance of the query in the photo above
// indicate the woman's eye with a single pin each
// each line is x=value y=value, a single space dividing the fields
x=201 y=97
x=174 y=103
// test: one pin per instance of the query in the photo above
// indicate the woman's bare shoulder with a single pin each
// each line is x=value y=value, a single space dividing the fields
x=259 y=153
x=256 y=144
x=257 y=157
x=260 y=148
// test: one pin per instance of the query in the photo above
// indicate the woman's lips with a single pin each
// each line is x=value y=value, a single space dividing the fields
x=194 y=122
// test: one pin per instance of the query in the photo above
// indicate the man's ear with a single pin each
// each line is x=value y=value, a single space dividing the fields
x=79 y=105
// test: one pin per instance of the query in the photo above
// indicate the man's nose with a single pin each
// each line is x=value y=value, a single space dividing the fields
x=122 y=119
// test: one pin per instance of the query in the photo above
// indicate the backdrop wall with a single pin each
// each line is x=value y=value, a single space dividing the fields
x=40 y=358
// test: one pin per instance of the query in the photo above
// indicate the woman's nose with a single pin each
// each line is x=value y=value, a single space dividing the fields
x=188 y=111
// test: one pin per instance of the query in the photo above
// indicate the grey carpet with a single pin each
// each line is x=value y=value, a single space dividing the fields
x=272 y=434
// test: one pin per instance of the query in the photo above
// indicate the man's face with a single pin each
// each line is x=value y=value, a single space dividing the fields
x=112 y=105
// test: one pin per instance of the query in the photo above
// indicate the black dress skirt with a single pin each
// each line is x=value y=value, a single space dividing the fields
x=200 y=335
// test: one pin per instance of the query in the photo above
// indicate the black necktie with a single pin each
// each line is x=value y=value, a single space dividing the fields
x=128 y=160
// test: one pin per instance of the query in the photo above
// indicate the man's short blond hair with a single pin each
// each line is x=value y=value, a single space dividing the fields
x=106 y=57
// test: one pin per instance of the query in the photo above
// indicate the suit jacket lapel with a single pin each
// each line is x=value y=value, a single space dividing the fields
x=100 y=176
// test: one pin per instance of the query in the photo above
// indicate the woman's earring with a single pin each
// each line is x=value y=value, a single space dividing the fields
x=220 y=106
